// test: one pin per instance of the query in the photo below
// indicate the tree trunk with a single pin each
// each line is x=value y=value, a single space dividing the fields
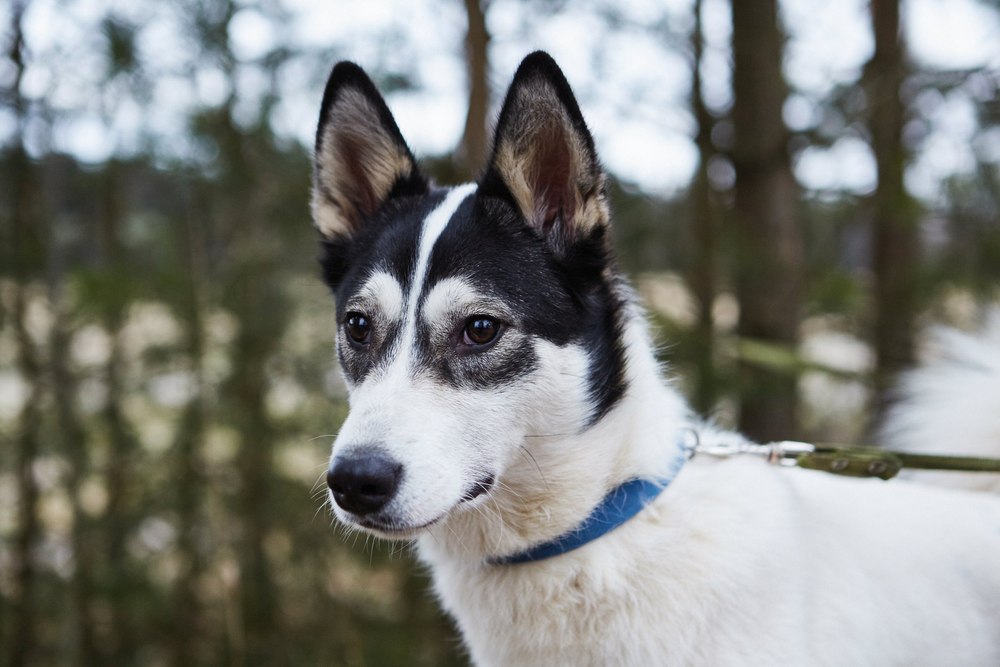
x=769 y=250
x=187 y=607
x=119 y=478
x=23 y=250
x=258 y=594
x=256 y=301
x=702 y=273
x=22 y=634
x=72 y=443
x=472 y=151
x=895 y=243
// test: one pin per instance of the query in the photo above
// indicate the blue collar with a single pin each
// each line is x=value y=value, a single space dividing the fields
x=620 y=505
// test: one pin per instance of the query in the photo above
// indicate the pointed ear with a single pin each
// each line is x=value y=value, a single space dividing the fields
x=543 y=156
x=361 y=159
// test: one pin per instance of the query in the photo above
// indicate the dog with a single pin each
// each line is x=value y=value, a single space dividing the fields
x=508 y=415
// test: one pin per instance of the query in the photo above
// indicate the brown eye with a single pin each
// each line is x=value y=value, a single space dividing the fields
x=481 y=330
x=358 y=328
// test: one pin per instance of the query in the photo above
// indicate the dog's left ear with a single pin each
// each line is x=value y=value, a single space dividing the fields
x=543 y=156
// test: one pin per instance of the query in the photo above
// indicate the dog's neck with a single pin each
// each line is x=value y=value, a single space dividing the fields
x=557 y=482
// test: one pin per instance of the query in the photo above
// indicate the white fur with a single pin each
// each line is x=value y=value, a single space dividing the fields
x=456 y=297
x=381 y=293
x=952 y=403
x=737 y=563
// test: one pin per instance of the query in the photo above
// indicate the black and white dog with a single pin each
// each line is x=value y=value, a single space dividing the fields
x=507 y=412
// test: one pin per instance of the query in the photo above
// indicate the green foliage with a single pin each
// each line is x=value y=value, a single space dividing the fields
x=837 y=291
x=969 y=255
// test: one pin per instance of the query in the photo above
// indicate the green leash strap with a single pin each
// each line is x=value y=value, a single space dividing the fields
x=852 y=462
x=841 y=460
x=871 y=462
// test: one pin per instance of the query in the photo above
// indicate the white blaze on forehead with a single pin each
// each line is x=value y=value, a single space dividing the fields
x=384 y=291
x=434 y=225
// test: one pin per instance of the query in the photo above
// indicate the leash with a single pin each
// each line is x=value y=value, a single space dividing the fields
x=841 y=460
x=629 y=498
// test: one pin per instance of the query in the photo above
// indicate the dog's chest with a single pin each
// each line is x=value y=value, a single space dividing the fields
x=549 y=616
x=614 y=602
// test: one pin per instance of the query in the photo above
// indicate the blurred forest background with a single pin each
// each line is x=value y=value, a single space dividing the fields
x=799 y=188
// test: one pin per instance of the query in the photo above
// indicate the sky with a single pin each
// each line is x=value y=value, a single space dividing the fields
x=632 y=89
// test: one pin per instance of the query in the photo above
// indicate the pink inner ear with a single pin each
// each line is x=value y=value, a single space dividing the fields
x=552 y=179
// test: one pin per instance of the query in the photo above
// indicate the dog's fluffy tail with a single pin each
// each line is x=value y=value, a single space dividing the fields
x=951 y=405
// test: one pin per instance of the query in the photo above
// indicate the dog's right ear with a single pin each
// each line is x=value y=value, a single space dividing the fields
x=361 y=160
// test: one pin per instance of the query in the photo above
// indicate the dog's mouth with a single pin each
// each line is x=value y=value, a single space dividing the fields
x=481 y=486
x=391 y=528
x=394 y=529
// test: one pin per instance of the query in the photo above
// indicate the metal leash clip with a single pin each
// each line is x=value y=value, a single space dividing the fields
x=787 y=452
x=783 y=453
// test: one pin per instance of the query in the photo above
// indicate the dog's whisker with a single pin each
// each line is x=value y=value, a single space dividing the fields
x=503 y=524
x=509 y=490
x=319 y=486
x=316 y=513
x=322 y=467
x=457 y=537
x=531 y=457
x=321 y=435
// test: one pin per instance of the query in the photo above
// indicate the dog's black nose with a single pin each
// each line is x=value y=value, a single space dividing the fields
x=363 y=484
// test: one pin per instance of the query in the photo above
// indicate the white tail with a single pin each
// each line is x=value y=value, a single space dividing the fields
x=951 y=404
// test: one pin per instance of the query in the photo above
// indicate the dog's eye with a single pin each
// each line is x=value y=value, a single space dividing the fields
x=358 y=328
x=480 y=330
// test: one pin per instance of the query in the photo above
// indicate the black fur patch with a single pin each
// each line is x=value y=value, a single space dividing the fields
x=563 y=299
x=474 y=252
x=388 y=243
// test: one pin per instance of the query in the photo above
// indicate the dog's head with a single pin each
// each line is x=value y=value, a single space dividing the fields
x=469 y=319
